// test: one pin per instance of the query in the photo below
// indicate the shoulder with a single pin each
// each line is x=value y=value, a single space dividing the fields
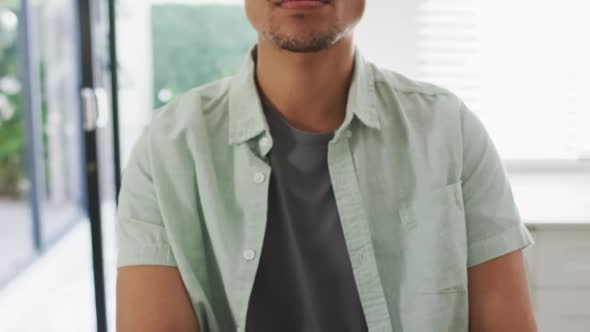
x=179 y=128
x=421 y=108
x=426 y=97
x=192 y=108
x=404 y=84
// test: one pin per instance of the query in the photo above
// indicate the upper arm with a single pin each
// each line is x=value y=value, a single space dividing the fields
x=493 y=221
x=151 y=295
x=141 y=234
x=499 y=299
x=153 y=298
x=498 y=292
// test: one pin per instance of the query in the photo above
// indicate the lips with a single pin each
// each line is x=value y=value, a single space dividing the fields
x=301 y=4
x=284 y=1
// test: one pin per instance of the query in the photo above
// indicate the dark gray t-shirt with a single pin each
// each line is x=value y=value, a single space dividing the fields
x=304 y=281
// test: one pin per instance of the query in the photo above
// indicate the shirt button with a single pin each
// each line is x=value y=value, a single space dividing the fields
x=348 y=133
x=249 y=254
x=264 y=141
x=259 y=177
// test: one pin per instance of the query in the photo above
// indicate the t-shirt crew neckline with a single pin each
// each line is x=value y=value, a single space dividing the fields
x=282 y=127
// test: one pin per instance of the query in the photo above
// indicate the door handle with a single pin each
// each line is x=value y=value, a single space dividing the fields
x=95 y=108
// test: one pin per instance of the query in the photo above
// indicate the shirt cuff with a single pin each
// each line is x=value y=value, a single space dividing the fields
x=146 y=255
x=514 y=238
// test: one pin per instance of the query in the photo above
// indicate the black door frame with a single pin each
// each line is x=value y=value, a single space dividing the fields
x=88 y=80
x=93 y=201
x=113 y=67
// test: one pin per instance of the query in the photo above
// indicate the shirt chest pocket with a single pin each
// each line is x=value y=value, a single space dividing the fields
x=434 y=241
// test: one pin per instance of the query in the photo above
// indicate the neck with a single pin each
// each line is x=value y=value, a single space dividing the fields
x=309 y=90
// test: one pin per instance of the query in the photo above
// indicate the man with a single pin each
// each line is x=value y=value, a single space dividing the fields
x=315 y=191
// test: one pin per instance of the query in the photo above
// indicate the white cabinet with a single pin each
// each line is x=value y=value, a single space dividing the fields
x=560 y=310
x=559 y=277
x=563 y=258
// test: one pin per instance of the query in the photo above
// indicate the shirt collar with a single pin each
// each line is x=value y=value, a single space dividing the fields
x=246 y=117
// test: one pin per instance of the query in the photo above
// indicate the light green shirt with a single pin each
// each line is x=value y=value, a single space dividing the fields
x=420 y=188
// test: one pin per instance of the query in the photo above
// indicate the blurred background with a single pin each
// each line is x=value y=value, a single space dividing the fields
x=79 y=80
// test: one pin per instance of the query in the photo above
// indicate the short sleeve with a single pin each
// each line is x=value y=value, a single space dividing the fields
x=141 y=236
x=494 y=225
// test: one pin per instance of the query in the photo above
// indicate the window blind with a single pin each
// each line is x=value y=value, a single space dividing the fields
x=522 y=66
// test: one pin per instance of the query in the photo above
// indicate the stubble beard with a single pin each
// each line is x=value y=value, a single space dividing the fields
x=314 y=41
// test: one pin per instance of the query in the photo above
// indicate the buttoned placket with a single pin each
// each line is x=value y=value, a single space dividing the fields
x=255 y=218
x=356 y=233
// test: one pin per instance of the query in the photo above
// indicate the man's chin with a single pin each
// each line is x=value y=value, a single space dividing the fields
x=303 y=44
x=303 y=48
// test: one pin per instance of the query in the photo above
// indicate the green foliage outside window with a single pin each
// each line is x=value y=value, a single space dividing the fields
x=11 y=130
x=11 y=151
x=196 y=44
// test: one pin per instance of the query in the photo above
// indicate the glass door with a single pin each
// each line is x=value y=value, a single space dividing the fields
x=56 y=164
